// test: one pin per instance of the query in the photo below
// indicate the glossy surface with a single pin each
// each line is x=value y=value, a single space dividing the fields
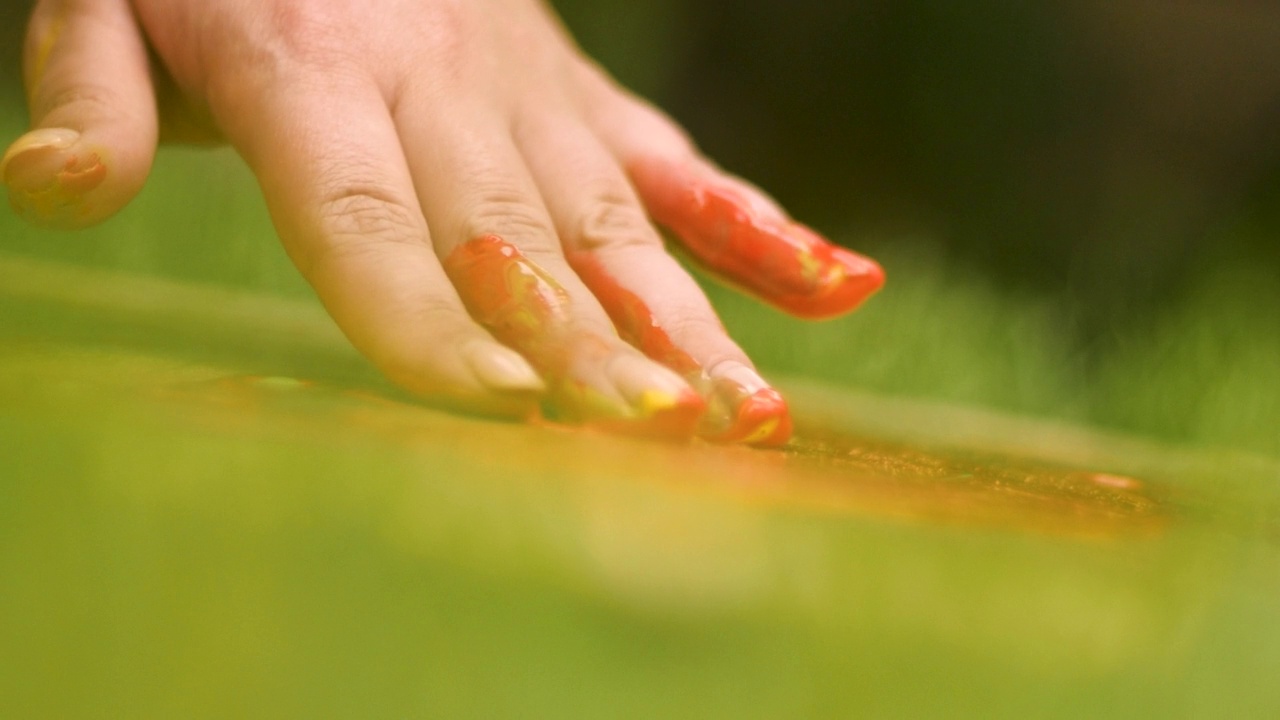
x=780 y=261
x=528 y=310
x=740 y=407
x=210 y=507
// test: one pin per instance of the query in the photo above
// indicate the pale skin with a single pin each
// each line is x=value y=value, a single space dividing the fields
x=468 y=194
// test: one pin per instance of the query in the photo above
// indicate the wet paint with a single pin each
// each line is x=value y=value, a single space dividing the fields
x=528 y=310
x=518 y=301
x=632 y=317
x=780 y=261
x=741 y=407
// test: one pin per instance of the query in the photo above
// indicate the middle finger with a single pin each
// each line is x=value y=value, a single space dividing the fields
x=500 y=249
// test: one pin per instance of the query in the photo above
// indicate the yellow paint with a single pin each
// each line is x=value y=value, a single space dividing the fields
x=537 y=299
x=762 y=431
x=653 y=402
x=810 y=268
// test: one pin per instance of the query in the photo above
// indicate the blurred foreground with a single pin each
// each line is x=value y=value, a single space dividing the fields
x=211 y=508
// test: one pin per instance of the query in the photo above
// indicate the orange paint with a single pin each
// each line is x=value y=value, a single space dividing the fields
x=745 y=412
x=633 y=318
x=527 y=309
x=742 y=409
x=780 y=261
x=519 y=302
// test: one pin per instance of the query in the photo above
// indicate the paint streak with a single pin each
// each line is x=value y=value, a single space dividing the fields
x=518 y=301
x=778 y=260
x=527 y=309
x=62 y=196
x=634 y=320
x=742 y=409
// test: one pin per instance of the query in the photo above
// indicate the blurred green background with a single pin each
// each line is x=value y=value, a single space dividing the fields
x=1077 y=202
x=1077 y=205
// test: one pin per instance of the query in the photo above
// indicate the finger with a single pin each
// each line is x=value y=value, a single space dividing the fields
x=652 y=301
x=335 y=181
x=728 y=225
x=93 y=115
x=501 y=251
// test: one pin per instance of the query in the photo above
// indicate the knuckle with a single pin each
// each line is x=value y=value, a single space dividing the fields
x=613 y=220
x=87 y=101
x=359 y=220
x=294 y=42
x=509 y=213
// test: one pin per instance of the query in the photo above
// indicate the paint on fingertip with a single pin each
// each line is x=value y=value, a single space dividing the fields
x=526 y=308
x=780 y=261
x=660 y=402
x=744 y=409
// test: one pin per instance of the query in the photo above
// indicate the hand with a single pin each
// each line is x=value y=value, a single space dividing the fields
x=464 y=190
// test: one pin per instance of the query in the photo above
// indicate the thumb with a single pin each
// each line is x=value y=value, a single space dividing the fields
x=93 y=114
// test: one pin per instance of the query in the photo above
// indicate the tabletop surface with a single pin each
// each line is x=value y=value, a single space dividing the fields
x=210 y=507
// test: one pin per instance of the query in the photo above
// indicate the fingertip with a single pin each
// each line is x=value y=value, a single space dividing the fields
x=93 y=113
x=501 y=369
x=736 y=232
x=744 y=409
x=661 y=405
x=482 y=379
x=843 y=281
x=52 y=178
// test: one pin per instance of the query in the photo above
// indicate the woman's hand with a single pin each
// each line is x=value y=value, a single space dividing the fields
x=465 y=191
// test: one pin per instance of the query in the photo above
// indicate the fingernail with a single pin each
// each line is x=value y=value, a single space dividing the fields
x=48 y=177
x=743 y=408
x=646 y=385
x=33 y=160
x=501 y=368
x=661 y=403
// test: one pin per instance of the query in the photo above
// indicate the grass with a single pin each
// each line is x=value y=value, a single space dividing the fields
x=1205 y=371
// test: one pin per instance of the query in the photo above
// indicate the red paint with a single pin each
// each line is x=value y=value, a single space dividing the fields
x=59 y=197
x=742 y=410
x=780 y=261
x=634 y=320
x=527 y=309
x=519 y=302
x=758 y=417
